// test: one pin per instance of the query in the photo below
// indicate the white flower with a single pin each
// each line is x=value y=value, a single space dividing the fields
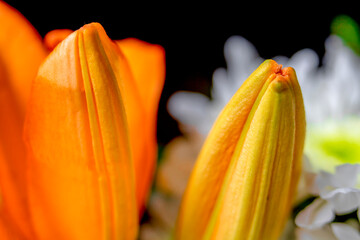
x=335 y=231
x=345 y=231
x=324 y=233
x=330 y=91
x=315 y=215
x=339 y=189
x=338 y=194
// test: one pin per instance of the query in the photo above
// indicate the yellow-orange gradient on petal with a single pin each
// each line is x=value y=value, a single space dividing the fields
x=243 y=183
x=81 y=175
x=21 y=52
x=141 y=87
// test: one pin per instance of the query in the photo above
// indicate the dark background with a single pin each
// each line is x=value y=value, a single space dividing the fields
x=193 y=35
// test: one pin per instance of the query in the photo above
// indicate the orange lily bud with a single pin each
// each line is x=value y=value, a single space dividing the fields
x=81 y=177
x=142 y=91
x=243 y=183
x=21 y=52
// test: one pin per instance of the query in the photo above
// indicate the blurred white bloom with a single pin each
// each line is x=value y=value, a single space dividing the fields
x=315 y=215
x=334 y=231
x=330 y=91
x=324 y=233
x=345 y=231
x=339 y=189
x=338 y=194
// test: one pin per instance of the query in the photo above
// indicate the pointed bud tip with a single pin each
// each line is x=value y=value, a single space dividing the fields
x=91 y=30
x=91 y=26
x=279 y=70
x=283 y=76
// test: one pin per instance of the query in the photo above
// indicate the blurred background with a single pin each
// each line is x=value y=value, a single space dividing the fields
x=194 y=35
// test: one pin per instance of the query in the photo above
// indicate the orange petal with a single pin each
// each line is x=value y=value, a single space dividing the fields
x=21 y=52
x=147 y=63
x=54 y=37
x=13 y=205
x=81 y=183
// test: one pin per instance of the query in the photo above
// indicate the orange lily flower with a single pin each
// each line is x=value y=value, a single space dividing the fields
x=87 y=131
x=243 y=183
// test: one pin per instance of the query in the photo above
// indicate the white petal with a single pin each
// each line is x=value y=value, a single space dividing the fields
x=222 y=90
x=342 y=72
x=316 y=215
x=305 y=62
x=191 y=109
x=283 y=60
x=240 y=55
x=345 y=232
x=323 y=233
x=325 y=182
x=346 y=175
x=343 y=200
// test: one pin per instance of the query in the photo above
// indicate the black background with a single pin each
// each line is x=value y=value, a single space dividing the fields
x=193 y=35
